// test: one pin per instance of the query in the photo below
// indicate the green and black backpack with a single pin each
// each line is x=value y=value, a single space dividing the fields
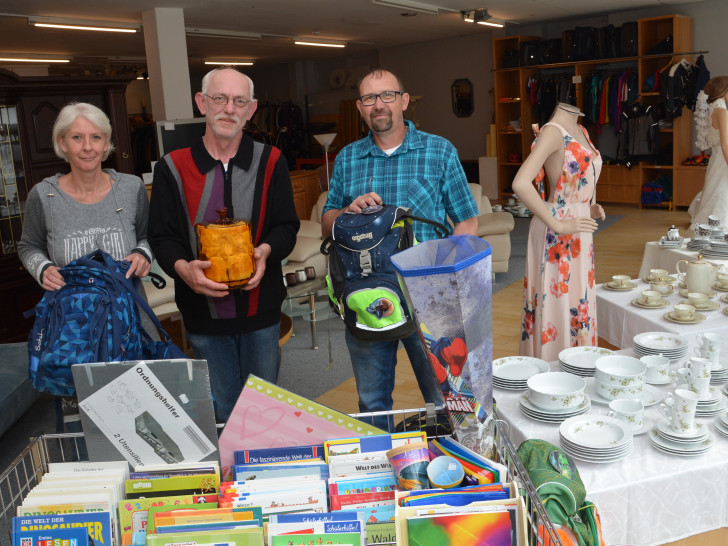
x=557 y=481
x=362 y=282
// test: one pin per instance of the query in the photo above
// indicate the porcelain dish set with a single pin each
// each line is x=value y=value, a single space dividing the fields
x=580 y=360
x=553 y=397
x=512 y=372
x=596 y=438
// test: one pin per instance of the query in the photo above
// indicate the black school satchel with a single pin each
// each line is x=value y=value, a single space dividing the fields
x=550 y=51
x=628 y=39
x=585 y=43
x=568 y=46
x=529 y=53
x=607 y=42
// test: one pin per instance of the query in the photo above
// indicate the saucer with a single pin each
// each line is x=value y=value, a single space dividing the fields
x=667 y=278
x=696 y=432
x=662 y=381
x=697 y=317
x=709 y=306
x=650 y=395
x=647 y=424
x=684 y=293
x=611 y=286
x=659 y=305
x=712 y=397
x=724 y=298
x=720 y=288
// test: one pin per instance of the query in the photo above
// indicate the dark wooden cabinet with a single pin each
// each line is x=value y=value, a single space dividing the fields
x=28 y=110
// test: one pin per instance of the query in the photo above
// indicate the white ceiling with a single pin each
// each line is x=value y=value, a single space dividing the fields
x=360 y=23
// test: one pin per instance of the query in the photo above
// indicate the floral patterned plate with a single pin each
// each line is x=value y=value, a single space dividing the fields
x=596 y=431
x=518 y=368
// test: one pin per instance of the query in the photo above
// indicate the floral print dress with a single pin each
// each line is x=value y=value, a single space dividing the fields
x=559 y=300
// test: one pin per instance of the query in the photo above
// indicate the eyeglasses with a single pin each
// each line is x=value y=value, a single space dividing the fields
x=385 y=96
x=223 y=100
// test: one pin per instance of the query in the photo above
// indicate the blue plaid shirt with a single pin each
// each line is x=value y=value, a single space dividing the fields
x=424 y=174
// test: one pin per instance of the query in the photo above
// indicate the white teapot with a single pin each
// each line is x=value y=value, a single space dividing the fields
x=699 y=275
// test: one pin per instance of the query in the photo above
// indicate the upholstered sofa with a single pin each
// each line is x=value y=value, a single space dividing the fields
x=495 y=228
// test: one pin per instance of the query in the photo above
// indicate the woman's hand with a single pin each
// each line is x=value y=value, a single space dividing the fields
x=597 y=211
x=577 y=225
x=52 y=279
x=138 y=265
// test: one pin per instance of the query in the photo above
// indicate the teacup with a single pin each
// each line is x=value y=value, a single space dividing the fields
x=700 y=367
x=497 y=208
x=709 y=346
x=722 y=280
x=651 y=297
x=621 y=281
x=698 y=299
x=703 y=230
x=699 y=385
x=521 y=209
x=713 y=221
x=628 y=409
x=679 y=409
x=658 y=274
x=684 y=311
x=511 y=201
x=657 y=367
x=663 y=287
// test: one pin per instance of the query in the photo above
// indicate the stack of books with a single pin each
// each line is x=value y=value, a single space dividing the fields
x=75 y=503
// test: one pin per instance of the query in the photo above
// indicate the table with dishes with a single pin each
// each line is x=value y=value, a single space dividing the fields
x=660 y=301
x=652 y=452
x=665 y=253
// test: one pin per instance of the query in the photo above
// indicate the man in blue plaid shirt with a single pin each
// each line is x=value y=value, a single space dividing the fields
x=398 y=165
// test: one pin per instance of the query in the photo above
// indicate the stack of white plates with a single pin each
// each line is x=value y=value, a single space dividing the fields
x=721 y=424
x=666 y=344
x=716 y=249
x=580 y=360
x=696 y=441
x=712 y=404
x=720 y=374
x=667 y=243
x=596 y=438
x=537 y=413
x=698 y=244
x=512 y=372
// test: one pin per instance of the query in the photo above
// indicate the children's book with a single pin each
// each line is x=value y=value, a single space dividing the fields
x=327 y=527
x=161 y=516
x=367 y=444
x=381 y=532
x=348 y=539
x=279 y=454
x=264 y=471
x=175 y=485
x=361 y=500
x=267 y=416
x=208 y=526
x=387 y=482
x=463 y=529
x=52 y=537
x=97 y=524
x=249 y=536
x=303 y=517
x=84 y=467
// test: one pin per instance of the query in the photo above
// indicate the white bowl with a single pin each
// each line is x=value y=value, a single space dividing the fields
x=614 y=392
x=555 y=390
x=620 y=370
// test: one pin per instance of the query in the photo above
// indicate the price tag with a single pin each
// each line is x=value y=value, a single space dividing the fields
x=576 y=79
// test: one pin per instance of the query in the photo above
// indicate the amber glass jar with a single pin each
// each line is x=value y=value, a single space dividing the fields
x=228 y=244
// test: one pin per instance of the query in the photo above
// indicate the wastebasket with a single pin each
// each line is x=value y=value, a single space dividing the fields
x=448 y=286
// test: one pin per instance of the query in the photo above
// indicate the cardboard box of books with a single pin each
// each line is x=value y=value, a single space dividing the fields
x=147 y=412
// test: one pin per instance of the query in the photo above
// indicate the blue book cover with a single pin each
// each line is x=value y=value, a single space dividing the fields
x=52 y=537
x=97 y=524
x=246 y=472
x=310 y=517
x=278 y=454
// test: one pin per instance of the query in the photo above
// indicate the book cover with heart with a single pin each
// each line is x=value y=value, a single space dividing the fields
x=266 y=416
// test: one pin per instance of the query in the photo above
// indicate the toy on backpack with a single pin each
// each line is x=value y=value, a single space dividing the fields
x=557 y=481
x=362 y=282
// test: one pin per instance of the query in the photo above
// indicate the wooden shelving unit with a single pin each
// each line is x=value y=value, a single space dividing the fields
x=617 y=183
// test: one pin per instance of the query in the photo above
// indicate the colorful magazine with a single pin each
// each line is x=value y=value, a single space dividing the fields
x=98 y=525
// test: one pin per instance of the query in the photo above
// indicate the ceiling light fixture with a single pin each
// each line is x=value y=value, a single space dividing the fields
x=231 y=63
x=79 y=24
x=482 y=17
x=409 y=5
x=318 y=43
x=32 y=60
x=214 y=33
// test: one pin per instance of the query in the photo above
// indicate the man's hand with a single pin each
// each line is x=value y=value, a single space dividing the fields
x=363 y=201
x=138 y=265
x=260 y=255
x=52 y=279
x=193 y=273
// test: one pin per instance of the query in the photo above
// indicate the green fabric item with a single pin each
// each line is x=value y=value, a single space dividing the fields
x=556 y=478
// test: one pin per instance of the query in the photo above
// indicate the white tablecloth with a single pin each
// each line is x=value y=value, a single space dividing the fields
x=618 y=321
x=656 y=257
x=650 y=497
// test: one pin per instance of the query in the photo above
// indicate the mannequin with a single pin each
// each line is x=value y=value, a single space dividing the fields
x=559 y=303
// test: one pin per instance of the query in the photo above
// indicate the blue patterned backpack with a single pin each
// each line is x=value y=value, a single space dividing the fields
x=92 y=318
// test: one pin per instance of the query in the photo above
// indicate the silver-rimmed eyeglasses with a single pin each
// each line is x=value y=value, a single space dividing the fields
x=385 y=96
x=222 y=100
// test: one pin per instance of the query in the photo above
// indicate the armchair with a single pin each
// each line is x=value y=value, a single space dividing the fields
x=495 y=228
x=307 y=251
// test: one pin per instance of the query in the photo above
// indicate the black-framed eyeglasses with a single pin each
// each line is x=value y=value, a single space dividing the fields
x=222 y=100
x=385 y=96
